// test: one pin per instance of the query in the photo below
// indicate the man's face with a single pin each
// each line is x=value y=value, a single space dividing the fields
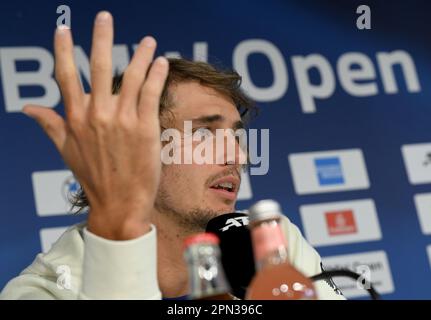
x=191 y=193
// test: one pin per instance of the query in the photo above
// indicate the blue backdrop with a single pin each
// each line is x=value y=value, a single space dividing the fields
x=378 y=122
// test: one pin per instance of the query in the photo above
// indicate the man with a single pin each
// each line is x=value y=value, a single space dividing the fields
x=112 y=144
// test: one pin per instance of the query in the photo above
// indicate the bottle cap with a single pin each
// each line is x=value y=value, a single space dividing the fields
x=264 y=210
x=204 y=237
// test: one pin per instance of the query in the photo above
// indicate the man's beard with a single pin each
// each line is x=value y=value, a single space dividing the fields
x=193 y=220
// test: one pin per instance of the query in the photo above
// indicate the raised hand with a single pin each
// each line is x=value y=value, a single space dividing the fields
x=110 y=142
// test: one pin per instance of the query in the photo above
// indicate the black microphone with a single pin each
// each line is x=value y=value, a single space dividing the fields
x=236 y=250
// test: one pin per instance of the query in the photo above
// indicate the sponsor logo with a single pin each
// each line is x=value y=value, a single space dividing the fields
x=423 y=208
x=417 y=159
x=70 y=188
x=340 y=222
x=235 y=222
x=328 y=171
x=373 y=266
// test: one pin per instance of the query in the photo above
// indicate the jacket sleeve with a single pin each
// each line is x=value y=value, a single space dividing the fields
x=105 y=270
x=120 y=269
x=306 y=259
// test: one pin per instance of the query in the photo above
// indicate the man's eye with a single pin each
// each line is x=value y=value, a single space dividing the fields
x=203 y=132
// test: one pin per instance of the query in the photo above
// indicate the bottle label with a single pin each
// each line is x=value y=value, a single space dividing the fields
x=267 y=238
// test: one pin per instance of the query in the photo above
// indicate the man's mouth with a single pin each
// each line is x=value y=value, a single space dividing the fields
x=226 y=187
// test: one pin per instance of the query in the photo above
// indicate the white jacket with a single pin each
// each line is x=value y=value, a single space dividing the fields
x=81 y=265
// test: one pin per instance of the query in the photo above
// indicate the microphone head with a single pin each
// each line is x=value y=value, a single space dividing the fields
x=236 y=249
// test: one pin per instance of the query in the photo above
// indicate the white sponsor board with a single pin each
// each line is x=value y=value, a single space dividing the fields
x=373 y=265
x=51 y=191
x=417 y=159
x=423 y=208
x=340 y=222
x=328 y=171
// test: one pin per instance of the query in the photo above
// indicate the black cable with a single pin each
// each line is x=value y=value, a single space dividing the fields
x=327 y=275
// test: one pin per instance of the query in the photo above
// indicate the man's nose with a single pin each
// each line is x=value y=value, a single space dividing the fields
x=234 y=150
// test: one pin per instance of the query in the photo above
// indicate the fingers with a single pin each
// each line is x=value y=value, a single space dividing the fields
x=135 y=74
x=149 y=99
x=86 y=99
x=101 y=59
x=50 y=121
x=66 y=73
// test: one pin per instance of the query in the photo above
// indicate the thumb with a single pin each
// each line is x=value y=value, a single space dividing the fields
x=50 y=121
